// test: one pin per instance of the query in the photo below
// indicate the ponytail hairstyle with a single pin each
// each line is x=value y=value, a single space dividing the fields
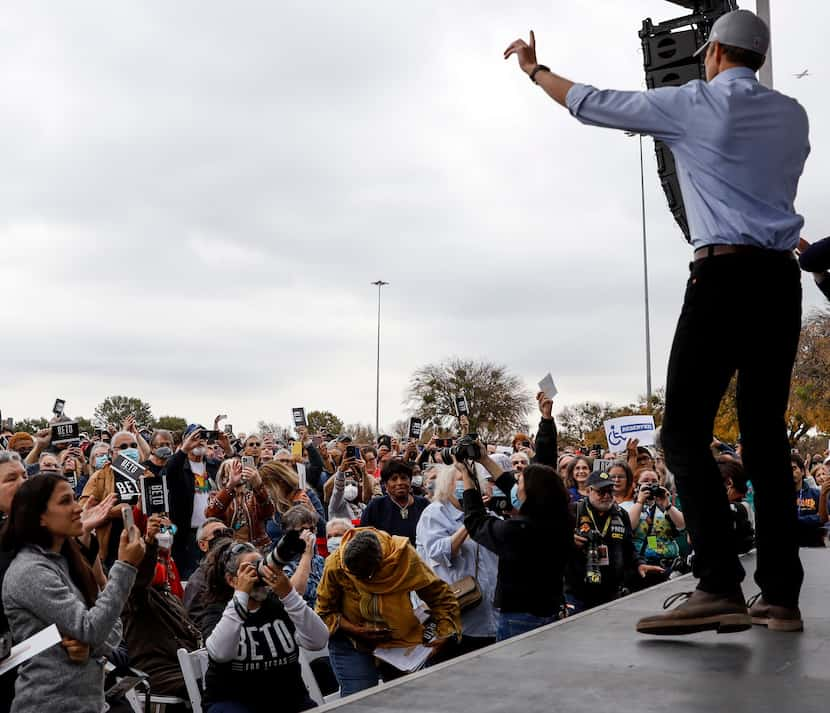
x=23 y=529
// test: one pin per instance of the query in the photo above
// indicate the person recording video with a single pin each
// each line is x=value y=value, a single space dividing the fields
x=532 y=546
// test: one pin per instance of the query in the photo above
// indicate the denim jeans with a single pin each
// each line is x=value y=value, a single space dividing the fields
x=512 y=624
x=356 y=670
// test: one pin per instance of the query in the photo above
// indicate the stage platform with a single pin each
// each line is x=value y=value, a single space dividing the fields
x=597 y=662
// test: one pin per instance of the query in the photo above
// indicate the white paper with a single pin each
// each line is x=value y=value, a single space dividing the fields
x=405 y=659
x=31 y=647
x=548 y=387
x=619 y=430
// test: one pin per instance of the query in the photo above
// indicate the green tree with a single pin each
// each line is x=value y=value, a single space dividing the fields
x=170 y=423
x=85 y=425
x=31 y=425
x=324 y=422
x=114 y=409
x=498 y=401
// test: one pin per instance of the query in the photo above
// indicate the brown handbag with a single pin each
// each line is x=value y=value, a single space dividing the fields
x=466 y=589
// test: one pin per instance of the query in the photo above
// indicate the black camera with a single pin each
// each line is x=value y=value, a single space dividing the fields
x=593 y=573
x=290 y=545
x=654 y=490
x=468 y=448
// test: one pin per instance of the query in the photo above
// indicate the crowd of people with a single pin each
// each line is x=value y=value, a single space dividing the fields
x=327 y=545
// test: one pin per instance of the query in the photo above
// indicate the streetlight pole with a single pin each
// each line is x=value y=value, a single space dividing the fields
x=378 y=284
x=762 y=7
x=645 y=273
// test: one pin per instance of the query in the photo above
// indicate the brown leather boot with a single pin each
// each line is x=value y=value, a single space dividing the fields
x=724 y=613
x=774 y=617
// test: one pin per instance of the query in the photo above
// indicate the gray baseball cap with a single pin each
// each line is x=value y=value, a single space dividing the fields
x=740 y=28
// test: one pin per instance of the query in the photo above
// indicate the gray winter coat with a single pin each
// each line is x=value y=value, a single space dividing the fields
x=38 y=592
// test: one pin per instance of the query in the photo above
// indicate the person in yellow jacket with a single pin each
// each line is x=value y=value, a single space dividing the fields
x=364 y=600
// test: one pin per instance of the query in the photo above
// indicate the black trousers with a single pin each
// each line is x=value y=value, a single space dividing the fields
x=741 y=312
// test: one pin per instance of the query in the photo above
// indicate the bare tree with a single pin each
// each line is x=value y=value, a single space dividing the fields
x=498 y=401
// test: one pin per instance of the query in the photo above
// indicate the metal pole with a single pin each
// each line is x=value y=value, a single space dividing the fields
x=379 y=284
x=762 y=7
x=645 y=274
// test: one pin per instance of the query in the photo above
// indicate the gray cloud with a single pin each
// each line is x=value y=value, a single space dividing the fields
x=205 y=192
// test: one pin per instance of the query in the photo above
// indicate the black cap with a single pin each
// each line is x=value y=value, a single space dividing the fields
x=600 y=480
x=344 y=438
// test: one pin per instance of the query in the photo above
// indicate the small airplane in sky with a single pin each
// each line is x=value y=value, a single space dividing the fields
x=803 y=74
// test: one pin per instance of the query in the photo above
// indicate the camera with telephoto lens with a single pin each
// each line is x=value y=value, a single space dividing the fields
x=289 y=546
x=468 y=448
x=593 y=573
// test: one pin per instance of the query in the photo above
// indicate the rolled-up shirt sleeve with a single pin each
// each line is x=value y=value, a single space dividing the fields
x=662 y=113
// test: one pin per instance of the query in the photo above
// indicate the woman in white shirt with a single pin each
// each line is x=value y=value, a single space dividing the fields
x=442 y=541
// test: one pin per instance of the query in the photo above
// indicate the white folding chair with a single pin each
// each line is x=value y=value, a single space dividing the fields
x=306 y=657
x=194 y=665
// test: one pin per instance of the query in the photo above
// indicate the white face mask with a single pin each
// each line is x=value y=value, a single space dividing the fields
x=333 y=543
x=164 y=540
x=350 y=492
x=198 y=451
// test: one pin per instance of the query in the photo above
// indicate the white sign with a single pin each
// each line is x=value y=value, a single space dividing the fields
x=30 y=647
x=619 y=430
x=547 y=386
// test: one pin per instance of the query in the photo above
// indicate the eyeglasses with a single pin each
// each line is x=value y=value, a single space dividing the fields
x=603 y=492
x=125 y=446
x=253 y=444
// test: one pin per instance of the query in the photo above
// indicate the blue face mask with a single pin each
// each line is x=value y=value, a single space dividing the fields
x=459 y=490
x=514 y=497
x=131 y=453
x=101 y=461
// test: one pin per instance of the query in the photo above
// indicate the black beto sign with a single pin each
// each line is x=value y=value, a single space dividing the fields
x=154 y=497
x=299 y=416
x=68 y=433
x=127 y=474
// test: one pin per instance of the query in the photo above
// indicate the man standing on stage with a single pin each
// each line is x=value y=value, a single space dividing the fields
x=740 y=149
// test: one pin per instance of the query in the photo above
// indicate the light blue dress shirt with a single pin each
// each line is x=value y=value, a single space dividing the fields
x=438 y=523
x=739 y=147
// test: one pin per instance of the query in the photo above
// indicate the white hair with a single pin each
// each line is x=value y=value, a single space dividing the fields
x=445 y=482
x=342 y=521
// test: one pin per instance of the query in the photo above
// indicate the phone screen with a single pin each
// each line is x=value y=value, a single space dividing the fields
x=127 y=517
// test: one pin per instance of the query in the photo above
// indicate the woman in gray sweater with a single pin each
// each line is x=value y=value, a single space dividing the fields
x=49 y=582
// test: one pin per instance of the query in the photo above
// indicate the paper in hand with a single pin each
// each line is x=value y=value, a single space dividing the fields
x=547 y=386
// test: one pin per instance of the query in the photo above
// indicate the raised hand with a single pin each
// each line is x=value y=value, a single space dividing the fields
x=97 y=515
x=545 y=405
x=525 y=52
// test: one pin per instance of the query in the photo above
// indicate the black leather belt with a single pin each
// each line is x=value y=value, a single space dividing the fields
x=715 y=250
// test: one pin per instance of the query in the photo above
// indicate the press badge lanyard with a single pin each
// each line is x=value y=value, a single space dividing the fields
x=596 y=527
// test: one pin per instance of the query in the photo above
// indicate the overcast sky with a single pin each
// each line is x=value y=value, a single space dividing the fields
x=197 y=195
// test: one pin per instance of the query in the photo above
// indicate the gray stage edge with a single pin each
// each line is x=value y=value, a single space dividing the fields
x=597 y=663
